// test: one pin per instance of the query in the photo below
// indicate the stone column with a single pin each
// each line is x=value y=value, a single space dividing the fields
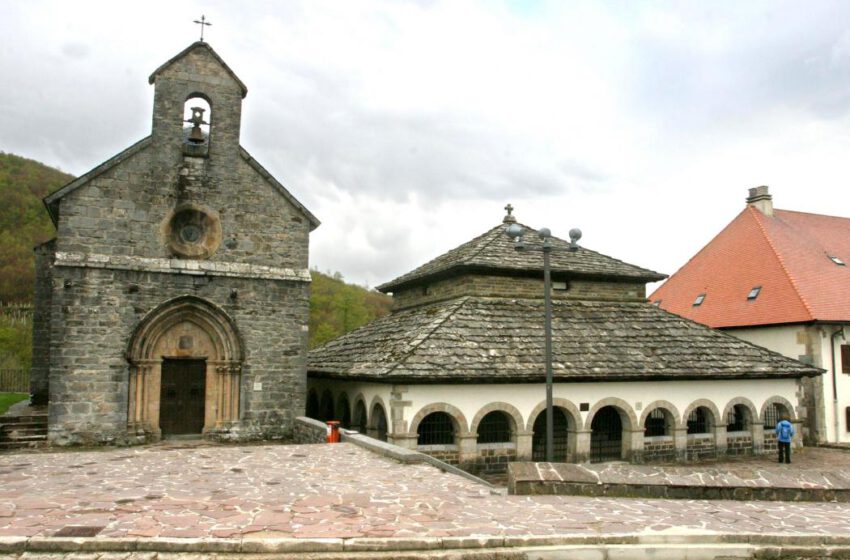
x=634 y=450
x=234 y=379
x=138 y=420
x=467 y=448
x=523 y=445
x=220 y=387
x=797 y=440
x=720 y=444
x=582 y=446
x=399 y=426
x=757 y=431
x=680 y=443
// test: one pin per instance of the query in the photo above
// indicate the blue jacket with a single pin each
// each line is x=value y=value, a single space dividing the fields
x=784 y=431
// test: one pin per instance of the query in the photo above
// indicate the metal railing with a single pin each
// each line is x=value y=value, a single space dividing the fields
x=14 y=380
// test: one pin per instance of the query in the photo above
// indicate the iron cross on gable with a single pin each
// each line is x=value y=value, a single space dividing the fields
x=203 y=23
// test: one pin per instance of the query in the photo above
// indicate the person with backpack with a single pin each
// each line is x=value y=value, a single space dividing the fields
x=784 y=433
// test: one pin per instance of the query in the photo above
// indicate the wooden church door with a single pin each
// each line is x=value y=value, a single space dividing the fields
x=182 y=397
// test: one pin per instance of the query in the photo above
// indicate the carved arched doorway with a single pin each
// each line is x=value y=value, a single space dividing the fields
x=185 y=370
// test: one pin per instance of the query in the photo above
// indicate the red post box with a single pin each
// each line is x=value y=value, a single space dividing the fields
x=333 y=431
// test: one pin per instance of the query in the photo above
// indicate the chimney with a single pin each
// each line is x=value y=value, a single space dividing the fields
x=761 y=199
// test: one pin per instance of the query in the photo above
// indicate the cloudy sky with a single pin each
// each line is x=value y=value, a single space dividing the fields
x=407 y=126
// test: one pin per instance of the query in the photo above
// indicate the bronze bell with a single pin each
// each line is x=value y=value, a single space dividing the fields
x=197 y=135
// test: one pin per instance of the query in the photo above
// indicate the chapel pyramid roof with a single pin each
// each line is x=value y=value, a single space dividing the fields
x=495 y=251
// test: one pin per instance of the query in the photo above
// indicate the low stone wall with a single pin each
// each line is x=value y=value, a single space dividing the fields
x=739 y=444
x=493 y=458
x=660 y=448
x=307 y=430
x=700 y=447
x=445 y=453
x=633 y=481
x=407 y=455
x=770 y=442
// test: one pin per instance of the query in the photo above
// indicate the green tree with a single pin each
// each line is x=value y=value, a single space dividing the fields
x=24 y=222
x=337 y=308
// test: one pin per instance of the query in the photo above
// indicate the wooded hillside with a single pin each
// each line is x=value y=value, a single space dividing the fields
x=24 y=222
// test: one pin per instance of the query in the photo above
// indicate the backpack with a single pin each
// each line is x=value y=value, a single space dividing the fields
x=784 y=431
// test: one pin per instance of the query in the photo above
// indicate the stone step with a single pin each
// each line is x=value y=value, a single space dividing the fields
x=22 y=444
x=23 y=431
x=18 y=432
x=41 y=418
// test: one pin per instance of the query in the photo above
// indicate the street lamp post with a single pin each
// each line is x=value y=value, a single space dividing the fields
x=515 y=232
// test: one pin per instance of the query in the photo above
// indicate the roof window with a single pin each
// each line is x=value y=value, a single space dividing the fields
x=657 y=303
x=754 y=293
x=836 y=260
x=699 y=300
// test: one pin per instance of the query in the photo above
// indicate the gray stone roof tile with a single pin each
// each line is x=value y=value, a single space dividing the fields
x=495 y=251
x=477 y=339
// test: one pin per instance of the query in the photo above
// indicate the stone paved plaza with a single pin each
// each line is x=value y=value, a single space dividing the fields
x=266 y=492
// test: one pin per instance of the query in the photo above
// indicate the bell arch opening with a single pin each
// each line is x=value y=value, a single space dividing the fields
x=189 y=349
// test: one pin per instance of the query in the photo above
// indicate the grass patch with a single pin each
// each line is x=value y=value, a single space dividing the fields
x=8 y=399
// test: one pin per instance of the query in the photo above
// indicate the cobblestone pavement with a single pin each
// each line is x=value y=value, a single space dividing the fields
x=342 y=491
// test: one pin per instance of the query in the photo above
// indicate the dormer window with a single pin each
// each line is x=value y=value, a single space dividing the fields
x=657 y=303
x=699 y=300
x=836 y=260
x=754 y=293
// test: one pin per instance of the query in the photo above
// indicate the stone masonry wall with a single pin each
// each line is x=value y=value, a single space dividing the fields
x=125 y=211
x=739 y=444
x=307 y=430
x=94 y=312
x=700 y=448
x=492 y=459
x=504 y=286
x=659 y=449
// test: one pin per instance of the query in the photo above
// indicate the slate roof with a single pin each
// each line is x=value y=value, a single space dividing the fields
x=786 y=254
x=480 y=339
x=495 y=251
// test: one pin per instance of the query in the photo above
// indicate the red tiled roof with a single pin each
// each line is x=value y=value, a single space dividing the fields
x=786 y=254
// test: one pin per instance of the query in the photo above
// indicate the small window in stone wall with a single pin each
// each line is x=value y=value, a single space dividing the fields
x=847 y=419
x=436 y=429
x=655 y=424
x=736 y=419
x=698 y=421
x=845 y=358
x=495 y=427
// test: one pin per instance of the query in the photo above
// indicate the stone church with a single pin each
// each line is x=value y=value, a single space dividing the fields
x=174 y=298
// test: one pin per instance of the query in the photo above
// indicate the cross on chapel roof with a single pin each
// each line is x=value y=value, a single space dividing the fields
x=203 y=23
